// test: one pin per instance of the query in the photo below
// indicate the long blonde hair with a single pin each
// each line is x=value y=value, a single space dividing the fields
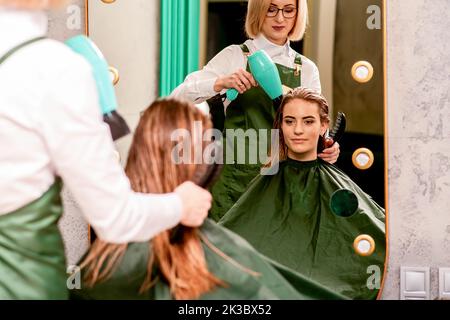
x=257 y=12
x=151 y=169
x=32 y=4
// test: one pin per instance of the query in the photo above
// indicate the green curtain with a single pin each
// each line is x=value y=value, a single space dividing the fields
x=180 y=27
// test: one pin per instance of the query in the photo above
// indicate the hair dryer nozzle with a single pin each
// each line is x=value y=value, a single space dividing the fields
x=266 y=74
x=107 y=96
x=117 y=125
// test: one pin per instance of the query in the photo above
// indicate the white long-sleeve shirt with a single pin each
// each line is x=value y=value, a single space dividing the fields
x=199 y=86
x=51 y=125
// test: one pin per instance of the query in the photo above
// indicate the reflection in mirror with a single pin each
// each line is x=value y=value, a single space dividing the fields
x=345 y=40
x=350 y=57
x=336 y=49
x=338 y=40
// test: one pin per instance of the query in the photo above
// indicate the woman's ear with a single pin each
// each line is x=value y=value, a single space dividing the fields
x=323 y=128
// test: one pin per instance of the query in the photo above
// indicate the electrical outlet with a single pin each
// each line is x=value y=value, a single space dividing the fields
x=444 y=283
x=414 y=283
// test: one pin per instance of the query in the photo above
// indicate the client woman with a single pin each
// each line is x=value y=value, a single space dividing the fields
x=310 y=216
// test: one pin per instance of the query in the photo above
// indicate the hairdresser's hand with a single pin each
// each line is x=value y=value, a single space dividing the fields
x=241 y=80
x=331 y=154
x=196 y=204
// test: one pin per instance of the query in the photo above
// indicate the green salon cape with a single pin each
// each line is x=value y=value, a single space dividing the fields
x=274 y=282
x=288 y=218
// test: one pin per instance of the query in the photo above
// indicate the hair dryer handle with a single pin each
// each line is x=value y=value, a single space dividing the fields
x=232 y=94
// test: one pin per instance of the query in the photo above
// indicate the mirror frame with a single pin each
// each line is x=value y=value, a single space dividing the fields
x=386 y=141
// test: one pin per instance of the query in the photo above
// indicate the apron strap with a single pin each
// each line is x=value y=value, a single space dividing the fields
x=298 y=65
x=245 y=49
x=297 y=62
x=20 y=46
x=216 y=107
x=246 y=53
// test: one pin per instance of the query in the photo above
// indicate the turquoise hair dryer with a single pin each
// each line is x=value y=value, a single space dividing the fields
x=108 y=102
x=266 y=74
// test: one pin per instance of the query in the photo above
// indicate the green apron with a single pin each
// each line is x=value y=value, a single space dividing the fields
x=252 y=110
x=274 y=282
x=289 y=218
x=32 y=260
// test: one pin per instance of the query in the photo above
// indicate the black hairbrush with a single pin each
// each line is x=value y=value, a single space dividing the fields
x=335 y=135
x=208 y=179
x=117 y=125
x=205 y=179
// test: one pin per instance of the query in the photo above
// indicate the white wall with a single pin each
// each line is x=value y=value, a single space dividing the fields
x=127 y=32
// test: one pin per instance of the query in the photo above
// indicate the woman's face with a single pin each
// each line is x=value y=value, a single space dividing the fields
x=277 y=28
x=301 y=128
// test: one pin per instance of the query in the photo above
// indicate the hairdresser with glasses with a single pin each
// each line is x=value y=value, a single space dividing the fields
x=51 y=129
x=271 y=24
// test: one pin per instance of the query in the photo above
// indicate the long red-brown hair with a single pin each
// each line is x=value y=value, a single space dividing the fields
x=151 y=169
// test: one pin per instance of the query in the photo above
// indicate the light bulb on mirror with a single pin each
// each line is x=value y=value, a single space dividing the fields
x=364 y=245
x=363 y=159
x=362 y=71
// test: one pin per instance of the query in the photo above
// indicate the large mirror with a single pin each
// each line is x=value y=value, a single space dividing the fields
x=345 y=40
x=152 y=46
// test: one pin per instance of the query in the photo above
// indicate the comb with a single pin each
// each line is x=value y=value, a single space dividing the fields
x=335 y=135
x=339 y=128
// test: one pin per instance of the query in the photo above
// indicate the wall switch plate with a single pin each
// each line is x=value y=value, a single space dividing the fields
x=444 y=283
x=414 y=283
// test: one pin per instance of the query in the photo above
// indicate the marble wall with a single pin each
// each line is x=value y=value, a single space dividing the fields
x=418 y=75
x=418 y=50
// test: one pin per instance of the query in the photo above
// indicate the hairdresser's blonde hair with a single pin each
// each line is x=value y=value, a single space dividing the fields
x=257 y=13
x=32 y=4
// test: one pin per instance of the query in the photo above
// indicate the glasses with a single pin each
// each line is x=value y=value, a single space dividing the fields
x=288 y=12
